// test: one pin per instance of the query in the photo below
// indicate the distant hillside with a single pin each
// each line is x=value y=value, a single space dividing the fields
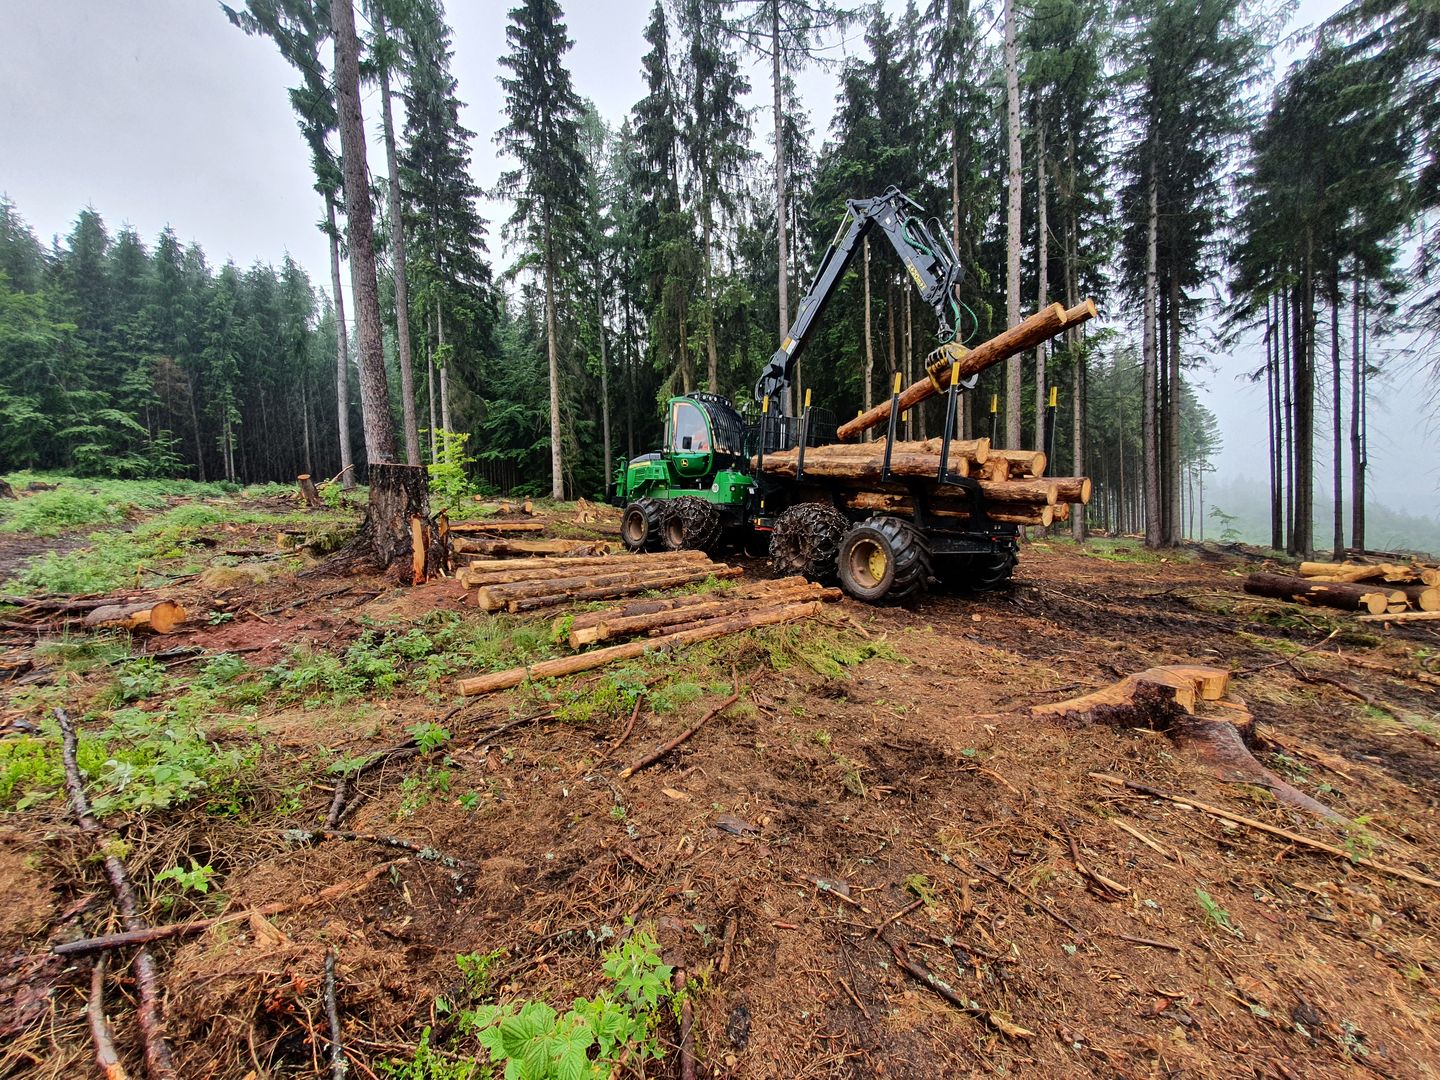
x=1386 y=529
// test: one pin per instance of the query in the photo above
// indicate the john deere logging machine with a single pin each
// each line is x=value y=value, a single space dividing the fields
x=705 y=488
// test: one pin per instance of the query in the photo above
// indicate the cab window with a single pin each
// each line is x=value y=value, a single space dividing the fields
x=688 y=433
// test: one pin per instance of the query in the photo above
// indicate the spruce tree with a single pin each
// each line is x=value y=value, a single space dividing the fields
x=548 y=187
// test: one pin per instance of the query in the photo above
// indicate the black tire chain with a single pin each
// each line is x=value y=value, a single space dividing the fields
x=806 y=540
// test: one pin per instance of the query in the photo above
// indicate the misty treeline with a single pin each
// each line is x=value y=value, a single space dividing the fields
x=1147 y=155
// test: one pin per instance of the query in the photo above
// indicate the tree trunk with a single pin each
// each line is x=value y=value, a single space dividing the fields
x=445 y=424
x=1305 y=410
x=1274 y=419
x=1042 y=278
x=1338 y=427
x=1357 y=395
x=783 y=279
x=712 y=352
x=1150 y=447
x=552 y=349
x=908 y=361
x=305 y=426
x=342 y=352
x=430 y=388
x=1077 y=360
x=1287 y=386
x=399 y=497
x=402 y=285
x=1172 y=411
x=195 y=425
x=1014 y=374
x=604 y=386
x=360 y=228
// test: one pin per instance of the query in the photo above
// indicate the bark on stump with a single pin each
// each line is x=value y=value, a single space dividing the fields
x=389 y=536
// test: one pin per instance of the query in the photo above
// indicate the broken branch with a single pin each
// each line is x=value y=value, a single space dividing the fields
x=659 y=752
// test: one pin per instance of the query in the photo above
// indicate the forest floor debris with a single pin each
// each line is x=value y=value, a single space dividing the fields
x=875 y=768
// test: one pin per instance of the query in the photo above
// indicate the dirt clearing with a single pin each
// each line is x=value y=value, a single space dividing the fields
x=874 y=862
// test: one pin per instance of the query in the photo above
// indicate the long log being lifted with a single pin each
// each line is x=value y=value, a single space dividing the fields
x=1335 y=594
x=586 y=661
x=953 y=359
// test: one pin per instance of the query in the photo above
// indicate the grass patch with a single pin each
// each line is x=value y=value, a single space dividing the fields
x=169 y=543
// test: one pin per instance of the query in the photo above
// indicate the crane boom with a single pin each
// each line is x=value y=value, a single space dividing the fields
x=932 y=265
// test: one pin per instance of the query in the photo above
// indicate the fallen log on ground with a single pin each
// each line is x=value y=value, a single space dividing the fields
x=586 y=661
x=1401 y=617
x=1421 y=597
x=158 y=617
x=147 y=977
x=501 y=549
x=523 y=569
x=644 y=583
x=1390 y=572
x=589 y=619
x=496 y=527
x=949 y=361
x=1333 y=594
x=659 y=622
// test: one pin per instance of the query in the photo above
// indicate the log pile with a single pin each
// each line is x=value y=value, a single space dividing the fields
x=518 y=585
x=710 y=616
x=1013 y=482
x=1379 y=591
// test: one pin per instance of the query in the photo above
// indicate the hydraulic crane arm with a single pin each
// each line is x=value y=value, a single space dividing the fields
x=932 y=265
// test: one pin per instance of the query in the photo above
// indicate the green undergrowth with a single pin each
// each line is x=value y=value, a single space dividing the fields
x=152 y=741
x=419 y=658
x=80 y=503
x=1131 y=551
x=174 y=543
x=528 y=1039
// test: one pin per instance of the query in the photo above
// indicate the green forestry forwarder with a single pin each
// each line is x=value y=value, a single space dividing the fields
x=702 y=489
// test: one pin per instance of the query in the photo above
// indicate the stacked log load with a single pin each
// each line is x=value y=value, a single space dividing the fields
x=1013 y=483
x=1379 y=590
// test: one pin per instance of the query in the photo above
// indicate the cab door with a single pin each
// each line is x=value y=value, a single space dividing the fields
x=689 y=444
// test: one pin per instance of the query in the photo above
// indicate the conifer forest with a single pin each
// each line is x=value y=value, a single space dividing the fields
x=1158 y=158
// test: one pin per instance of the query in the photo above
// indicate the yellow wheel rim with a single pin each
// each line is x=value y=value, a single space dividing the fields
x=868 y=560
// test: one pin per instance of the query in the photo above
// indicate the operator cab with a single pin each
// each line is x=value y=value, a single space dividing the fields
x=703 y=432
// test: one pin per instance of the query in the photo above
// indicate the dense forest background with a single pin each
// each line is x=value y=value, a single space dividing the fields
x=1141 y=154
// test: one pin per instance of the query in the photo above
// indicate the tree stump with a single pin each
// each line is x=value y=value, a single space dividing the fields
x=6 y=491
x=398 y=534
x=1190 y=704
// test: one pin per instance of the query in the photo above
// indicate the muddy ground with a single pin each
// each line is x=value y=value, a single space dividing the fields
x=879 y=791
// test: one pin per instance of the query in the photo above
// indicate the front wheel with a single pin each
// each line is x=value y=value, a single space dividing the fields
x=640 y=526
x=805 y=540
x=885 y=558
x=690 y=523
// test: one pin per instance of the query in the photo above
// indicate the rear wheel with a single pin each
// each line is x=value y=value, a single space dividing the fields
x=978 y=573
x=806 y=540
x=690 y=523
x=884 y=558
x=640 y=527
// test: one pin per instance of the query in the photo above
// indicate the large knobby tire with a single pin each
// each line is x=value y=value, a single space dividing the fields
x=690 y=523
x=884 y=558
x=978 y=573
x=640 y=525
x=806 y=540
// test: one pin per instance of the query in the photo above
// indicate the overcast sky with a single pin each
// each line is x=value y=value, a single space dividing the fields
x=159 y=112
